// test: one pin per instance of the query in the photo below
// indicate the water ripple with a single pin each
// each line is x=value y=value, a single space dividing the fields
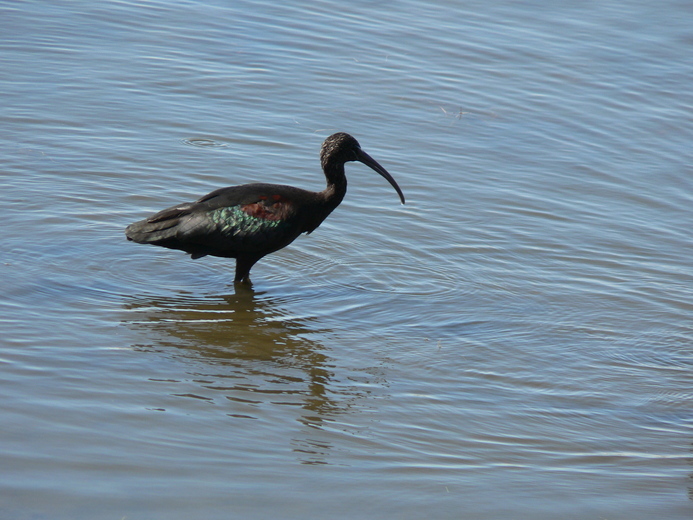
x=204 y=142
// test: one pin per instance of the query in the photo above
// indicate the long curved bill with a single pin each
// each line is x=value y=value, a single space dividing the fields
x=373 y=164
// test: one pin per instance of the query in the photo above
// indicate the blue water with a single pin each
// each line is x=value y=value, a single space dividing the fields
x=514 y=342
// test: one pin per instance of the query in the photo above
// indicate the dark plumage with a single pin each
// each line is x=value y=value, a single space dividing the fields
x=250 y=221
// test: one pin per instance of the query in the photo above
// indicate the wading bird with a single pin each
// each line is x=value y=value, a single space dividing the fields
x=250 y=221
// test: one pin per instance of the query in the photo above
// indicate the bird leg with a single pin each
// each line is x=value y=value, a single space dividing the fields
x=243 y=266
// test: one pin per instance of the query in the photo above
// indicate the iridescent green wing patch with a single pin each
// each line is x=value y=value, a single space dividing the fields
x=235 y=223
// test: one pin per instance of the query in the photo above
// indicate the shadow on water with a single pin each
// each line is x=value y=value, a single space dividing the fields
x=245 y=352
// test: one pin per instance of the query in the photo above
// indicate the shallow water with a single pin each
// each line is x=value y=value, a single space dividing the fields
x=514 y=342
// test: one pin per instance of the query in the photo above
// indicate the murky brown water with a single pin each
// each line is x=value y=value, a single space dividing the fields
x=514 y=342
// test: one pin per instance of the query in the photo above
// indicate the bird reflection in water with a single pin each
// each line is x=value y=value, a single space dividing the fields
x=246 y=351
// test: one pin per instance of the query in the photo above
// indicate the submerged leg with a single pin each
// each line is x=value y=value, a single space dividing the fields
x=243 y=266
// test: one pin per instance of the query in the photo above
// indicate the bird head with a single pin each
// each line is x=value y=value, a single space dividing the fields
x=341 y=148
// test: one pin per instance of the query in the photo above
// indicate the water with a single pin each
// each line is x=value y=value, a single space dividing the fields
x=514 y=342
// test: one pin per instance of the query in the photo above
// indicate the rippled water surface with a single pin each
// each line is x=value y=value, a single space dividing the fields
x=514 y=342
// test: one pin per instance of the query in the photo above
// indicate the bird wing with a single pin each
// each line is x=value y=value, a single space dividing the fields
x=247 y=219
x=262 y=201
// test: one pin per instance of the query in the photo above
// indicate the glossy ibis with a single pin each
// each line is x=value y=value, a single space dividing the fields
x=250 y=221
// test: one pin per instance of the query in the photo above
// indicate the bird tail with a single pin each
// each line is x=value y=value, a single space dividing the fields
x=157 y=229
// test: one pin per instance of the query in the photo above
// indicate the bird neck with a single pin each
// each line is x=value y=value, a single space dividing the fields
x=328 y=199
x=336 y=184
